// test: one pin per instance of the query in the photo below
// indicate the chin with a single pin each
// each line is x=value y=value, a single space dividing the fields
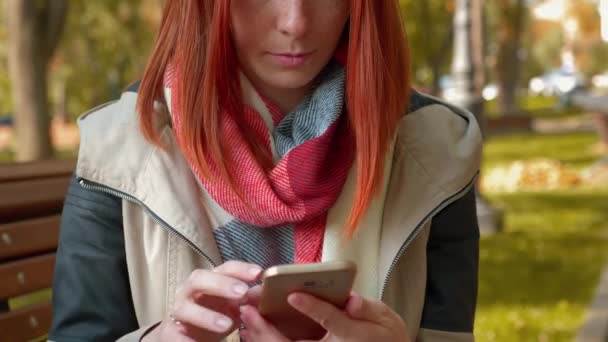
x=290 y=82
x=290 y=79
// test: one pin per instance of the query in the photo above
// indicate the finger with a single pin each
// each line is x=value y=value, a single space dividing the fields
x=368 y=310
x=202 y=318
x=253 y=296
x=326 y=314
x=205 y=282
x=257 y=328
x=239 y=270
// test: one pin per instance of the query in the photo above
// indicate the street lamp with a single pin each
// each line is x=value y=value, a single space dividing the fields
x=467 y=70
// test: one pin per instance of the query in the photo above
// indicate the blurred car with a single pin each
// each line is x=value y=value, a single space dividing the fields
x=556 y=83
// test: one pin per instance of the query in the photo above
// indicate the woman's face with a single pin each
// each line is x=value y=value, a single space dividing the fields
x=284 y=44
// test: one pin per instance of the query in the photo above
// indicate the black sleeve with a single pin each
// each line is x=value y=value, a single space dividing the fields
x=91 y=295
x=453 y=260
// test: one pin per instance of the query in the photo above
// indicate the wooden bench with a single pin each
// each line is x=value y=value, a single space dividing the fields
x=31 y=200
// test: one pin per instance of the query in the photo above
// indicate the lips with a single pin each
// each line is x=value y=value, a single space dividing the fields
x=291 y=60
x=293 y=55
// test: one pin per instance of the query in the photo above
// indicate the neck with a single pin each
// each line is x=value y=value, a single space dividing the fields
x=286 y=99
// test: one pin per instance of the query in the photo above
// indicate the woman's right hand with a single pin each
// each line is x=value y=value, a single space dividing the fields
x=207 y=304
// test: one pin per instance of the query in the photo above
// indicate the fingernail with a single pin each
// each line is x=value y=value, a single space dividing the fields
x=223 y=323
x=254 y=271
x=240 y=289
x=295 y=300
x=243 y=308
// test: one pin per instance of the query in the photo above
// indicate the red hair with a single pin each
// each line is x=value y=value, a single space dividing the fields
x=195 y=34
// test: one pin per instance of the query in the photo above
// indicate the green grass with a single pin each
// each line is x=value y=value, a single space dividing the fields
x=538 y=277
x=572 y=149
x=36 y=297
x=6 y=156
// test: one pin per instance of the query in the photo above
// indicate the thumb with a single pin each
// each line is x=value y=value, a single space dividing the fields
x=364 y=309
x=253 y=296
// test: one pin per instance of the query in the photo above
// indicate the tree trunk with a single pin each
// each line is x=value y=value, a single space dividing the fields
x=508 y=62
x=34 y=27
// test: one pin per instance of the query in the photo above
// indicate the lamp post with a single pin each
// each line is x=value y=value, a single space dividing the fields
x=468 y=74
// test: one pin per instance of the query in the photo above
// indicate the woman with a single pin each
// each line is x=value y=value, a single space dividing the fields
x=267 y=132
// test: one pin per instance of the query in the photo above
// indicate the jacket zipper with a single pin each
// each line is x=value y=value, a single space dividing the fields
x=102 y=188
x=420 y=225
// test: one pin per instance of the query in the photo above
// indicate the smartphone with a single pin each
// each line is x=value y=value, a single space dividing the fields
x=329 y=281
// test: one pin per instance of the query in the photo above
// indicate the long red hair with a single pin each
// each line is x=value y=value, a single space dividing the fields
x=195 y=35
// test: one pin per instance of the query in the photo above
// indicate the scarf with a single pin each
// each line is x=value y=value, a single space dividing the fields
x=283 y=214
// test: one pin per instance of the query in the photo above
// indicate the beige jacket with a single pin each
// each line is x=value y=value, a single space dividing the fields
x=434 y=163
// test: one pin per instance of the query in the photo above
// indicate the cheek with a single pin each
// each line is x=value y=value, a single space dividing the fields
x=247 y=45
x=331 y=23
x=244 y=34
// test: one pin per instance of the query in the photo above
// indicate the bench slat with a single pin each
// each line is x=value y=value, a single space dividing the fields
x=26 y=276
x=27 y=323
x=32 y=198
x=34 y=170
x=29 y=237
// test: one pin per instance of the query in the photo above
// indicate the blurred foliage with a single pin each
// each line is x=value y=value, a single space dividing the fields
x=104 y=48
x=541 y=44
x=424 y=19
x=545 y=40
x=589 y=49
x=538 y=277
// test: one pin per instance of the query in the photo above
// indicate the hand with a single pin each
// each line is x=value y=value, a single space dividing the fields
x=362 y=320
x=207 y=304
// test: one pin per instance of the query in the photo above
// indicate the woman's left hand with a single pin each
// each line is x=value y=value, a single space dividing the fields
x=362 y=320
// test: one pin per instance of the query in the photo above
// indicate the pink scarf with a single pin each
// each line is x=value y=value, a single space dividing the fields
x=314 y=148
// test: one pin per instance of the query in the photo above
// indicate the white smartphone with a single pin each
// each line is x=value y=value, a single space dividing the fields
x=328 y=281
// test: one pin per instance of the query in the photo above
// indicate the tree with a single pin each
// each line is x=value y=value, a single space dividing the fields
x=587 y=45
x=509 y=30
x=34 y=30
x=429 y=38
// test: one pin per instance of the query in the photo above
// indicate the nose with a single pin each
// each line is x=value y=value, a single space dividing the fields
x=293 y=20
